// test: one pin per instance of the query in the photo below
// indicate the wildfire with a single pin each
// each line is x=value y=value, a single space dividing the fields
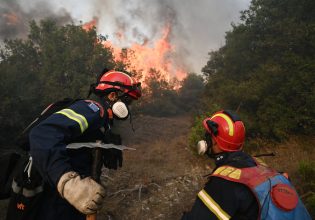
x=142 y=58
x=11 y=18
x=89 y=25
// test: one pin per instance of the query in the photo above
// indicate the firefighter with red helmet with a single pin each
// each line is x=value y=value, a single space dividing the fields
x=240 y=186
x=69 y=191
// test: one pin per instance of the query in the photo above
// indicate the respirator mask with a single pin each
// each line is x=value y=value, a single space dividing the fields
x=205 y=146
x=120 y=108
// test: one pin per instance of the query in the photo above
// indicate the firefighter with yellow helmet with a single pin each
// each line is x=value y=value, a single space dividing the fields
x=241 y=187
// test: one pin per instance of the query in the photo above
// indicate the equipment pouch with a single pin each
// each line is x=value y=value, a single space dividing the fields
x=27 y=191
x=8 y=162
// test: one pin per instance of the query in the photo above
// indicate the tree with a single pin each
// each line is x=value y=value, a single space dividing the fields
x=159 y=96
x=190 y=92
x=266 y=68
x=52 y=63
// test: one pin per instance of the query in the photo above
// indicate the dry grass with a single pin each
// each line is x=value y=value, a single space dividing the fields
x=169 y=174
x=161 y=178
x=288 y=157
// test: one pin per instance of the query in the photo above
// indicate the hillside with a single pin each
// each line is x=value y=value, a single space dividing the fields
x=160 y=179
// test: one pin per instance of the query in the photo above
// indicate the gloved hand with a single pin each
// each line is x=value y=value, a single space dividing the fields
x=112 y=138
x=112 y=158
x=85 y=195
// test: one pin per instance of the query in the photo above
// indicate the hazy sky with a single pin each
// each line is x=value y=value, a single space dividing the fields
x=198 y=26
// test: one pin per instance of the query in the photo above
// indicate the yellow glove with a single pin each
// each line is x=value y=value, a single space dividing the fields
x=85 y=195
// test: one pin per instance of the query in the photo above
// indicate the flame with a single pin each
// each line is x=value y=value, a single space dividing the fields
x=11 y=18
x=142 y=58
x=90 y=25
x=145 y=57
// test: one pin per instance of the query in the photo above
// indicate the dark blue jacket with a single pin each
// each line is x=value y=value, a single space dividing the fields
x=82 y=121
x=230 y=198
x=235 y=184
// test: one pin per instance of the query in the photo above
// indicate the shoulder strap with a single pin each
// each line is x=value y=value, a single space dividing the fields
x=22 y=140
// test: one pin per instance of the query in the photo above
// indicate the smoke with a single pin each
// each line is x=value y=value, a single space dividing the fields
x=196 y=27
x=14 y=18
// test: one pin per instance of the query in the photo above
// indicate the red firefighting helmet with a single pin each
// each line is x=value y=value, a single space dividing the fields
x=118 y=81
x=227 y=129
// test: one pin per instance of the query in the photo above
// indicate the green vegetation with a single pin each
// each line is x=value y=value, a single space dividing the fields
x=161 y=99
x=56 y=62
x=310 y=204
x=266 y=69
x=52 y=63
x=306 y=171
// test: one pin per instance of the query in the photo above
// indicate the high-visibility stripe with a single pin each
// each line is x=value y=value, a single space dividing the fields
x=26 y=192
x=228 y=121
x=76 y=117
x=213 y=206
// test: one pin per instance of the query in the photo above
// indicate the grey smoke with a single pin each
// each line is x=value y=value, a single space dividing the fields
x=198 y=26
x=14 y=18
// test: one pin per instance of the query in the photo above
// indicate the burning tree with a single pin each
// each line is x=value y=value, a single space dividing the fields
x=140 y=59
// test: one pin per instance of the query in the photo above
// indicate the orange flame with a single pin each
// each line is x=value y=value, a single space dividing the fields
x=90 y=25
x=11 y=18
x=142 y=58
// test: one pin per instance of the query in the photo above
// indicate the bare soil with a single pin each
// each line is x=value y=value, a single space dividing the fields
x=160 y=179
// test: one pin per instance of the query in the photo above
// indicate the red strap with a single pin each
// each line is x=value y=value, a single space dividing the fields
x=110 y=113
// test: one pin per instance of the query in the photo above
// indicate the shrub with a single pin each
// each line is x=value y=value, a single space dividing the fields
x=307 y=172
x=197 y=131
x=310 y=205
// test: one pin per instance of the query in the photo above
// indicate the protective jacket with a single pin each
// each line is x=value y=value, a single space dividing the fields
x=83 y=121
x=275 y=194
x=241 y=188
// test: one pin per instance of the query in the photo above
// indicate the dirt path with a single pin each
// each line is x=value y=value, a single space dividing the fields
x=161 y=178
